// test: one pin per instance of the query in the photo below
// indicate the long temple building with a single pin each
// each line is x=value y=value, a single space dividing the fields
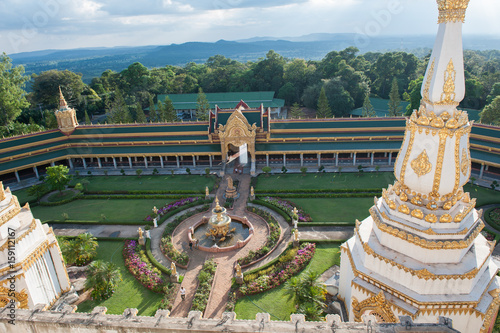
x=420 y=253
x=321 y=142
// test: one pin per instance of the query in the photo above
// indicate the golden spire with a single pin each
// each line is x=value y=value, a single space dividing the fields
x=452 y=10
x=62 y=101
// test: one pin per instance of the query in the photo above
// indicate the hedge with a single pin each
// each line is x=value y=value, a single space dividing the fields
x=135 y=196
x=180 y=209
x=488 y=219
x=62 y=202
x=339 y=190
x=330 y=195
x=154 y=261
x=95 y=222
x=326 y=224
x=145 y=192
x=274 y=208
x=270 y=263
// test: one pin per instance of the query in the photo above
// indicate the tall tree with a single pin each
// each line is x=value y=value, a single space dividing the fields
x=170 y=113
x=296 y=111
x=119 y=112
x=394 y=100
x=368 y=110
x=414 y=96
x=323 y=110
x=202 y=106
x=161 y=112
x=491 y=112
x=46 y=88
x=140 y=117
x=87 y=119
x=12 y=94
x=153 y=115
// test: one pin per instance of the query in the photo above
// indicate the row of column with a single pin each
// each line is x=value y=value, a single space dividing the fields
x=145 y=161
x=353 y=155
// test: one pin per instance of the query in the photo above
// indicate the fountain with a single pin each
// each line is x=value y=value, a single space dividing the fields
x=220 y=232
x=219 y=222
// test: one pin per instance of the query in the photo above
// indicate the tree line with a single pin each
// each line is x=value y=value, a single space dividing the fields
x=334 y=86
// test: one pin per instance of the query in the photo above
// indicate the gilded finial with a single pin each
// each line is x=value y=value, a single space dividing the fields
x=62 y=101
x=2 y=192
x=452 y=10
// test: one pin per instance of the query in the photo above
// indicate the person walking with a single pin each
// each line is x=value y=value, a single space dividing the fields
x=183 y=293
x=191 y=245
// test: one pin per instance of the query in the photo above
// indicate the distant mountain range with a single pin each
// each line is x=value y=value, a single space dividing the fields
x=91 y=62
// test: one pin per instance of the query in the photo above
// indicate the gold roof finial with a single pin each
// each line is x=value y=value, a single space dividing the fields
x=452 y=10
x=217 y=206
x=2 y=192
x=62 y=101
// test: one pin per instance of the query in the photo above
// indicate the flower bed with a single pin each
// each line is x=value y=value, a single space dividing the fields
x=205 y=279
x=288 y=206
x=277 y=274
x=488 y=235
x=139 y=266
x=168 y=249
x=172 y=206
x=272 y=239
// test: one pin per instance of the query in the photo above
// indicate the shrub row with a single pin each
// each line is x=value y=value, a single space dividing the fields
x=154 y=261
x=274 y=208
x=146 y=192
x=168 y=249
x=326 y=224
x=205 y=280
x=135 y=196
x=338 y=190
x=272 y=239
x=62 y=202
x=95 y=222
x=330 y=195
x=172 y=225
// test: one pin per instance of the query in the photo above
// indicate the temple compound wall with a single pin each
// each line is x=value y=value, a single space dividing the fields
x=40 y=321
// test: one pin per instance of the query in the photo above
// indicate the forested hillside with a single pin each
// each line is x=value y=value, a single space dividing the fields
x=342 y=80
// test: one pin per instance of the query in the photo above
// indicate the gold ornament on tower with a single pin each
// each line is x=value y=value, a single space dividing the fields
x=421 y=164
x=452 y=10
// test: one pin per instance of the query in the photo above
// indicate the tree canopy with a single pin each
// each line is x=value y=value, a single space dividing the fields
x=12 y=94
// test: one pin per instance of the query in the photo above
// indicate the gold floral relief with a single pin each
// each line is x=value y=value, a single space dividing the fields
x=417 y=213
x=431 y=218
x=464 y=166
x=452 y=10
x=448 y=95
x=404 y=209
x=421 y=164
x=446 y=218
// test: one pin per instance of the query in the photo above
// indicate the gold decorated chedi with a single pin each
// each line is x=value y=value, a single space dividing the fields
x=420 y=252
x=66 y=116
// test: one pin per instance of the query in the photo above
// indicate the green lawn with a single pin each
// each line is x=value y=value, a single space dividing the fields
x=325 y=181
x=275 y=301
x=483 y=195
x=147 y=183
x=115 y=210
x=64 y=195
x=335 y=209
x=130 y=293
x=23 y=197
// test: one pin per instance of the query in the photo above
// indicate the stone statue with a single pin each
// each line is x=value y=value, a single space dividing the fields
x=155 y=222
x=173 y=268
x=238 y=270
x=295 y=210
x=140 y=233
x=296 y=235
x=229 y=182
x=252 y=193
x=155 y=210
x=207 y=192
x=148 y=234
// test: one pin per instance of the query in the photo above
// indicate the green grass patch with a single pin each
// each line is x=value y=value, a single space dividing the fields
x=276 y=301
x=130 y=293
x=484 y=196
x=128 y=211
x=148 y=182
x=64 y=195
x=23 y=197
x=335 y=209
x=325 y=181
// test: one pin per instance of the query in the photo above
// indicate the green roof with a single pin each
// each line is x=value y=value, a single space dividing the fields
x=337 y=123
x=380 y=106
x=227 y=100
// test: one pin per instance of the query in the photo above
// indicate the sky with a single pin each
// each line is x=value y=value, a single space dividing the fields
x=29 y=25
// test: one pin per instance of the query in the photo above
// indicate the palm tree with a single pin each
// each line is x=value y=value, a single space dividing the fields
x=103 y=277
x=308 y=293
x=81 y=250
